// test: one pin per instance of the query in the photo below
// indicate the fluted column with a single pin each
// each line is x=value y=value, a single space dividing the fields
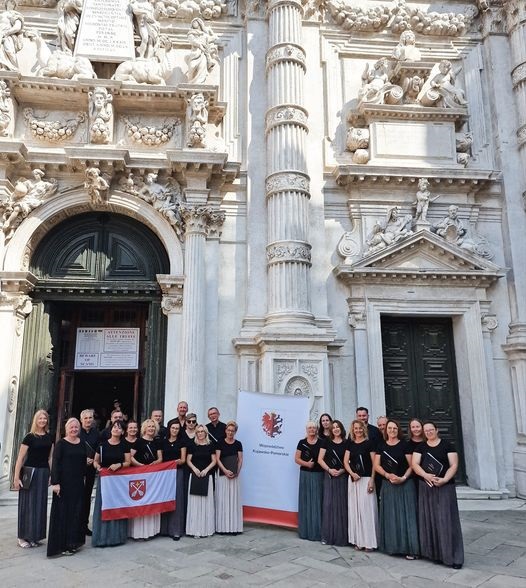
x=287 y=182
x=516 y=13
x=192 y=357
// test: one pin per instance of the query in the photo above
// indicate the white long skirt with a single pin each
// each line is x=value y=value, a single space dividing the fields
x=363 y=515
x=200 y=514
x=144 y=527
x=229 y=511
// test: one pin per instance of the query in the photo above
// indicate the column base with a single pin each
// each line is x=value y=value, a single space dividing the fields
x=519 y=468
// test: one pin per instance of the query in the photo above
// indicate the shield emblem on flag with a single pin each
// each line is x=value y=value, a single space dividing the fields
x=137 y=489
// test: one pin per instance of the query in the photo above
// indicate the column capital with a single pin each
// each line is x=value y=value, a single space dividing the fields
x=204 y=220
x=172 y=290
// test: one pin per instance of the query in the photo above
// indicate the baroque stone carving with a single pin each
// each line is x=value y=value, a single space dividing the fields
x=152 y=70
x=358 y=144
x=376 y=86
x=69 y=12
x=392 y=229
x=282 y=369
x=423 y=199
x=203 y=55
x=101 y=115
x=197 y=117
x=298 y=386
x=293 y=252
x=6 y=108
x=148 y=27
x=440 y=88
x=518 y=75
x=96 y=185
x=347 y=246
x=287 y=181
x=406 y=50
x=311 y=370
x=185 y=9
x=216 y=218
x=398 y=17
x=164 y=194
x=26 y=196
x=285 y=115
x=11 y=35
x=60 y=64
x=13 y=389
x=150 y=135
x=286 y=53
x=463 y=145
x=52 y=130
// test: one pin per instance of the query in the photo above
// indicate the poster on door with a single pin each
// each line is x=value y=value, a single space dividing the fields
x=100 y=348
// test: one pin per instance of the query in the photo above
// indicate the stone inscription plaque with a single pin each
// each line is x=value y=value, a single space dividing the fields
x=106 y=31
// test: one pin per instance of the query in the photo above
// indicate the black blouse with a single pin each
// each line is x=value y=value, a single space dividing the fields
x=146 y=451
x=334 y=453
x=434 y=459
x=111 y=454
x=393 y=457
x=38 y=450
x=172 y=449
x=201 y=455
x=310 y=451
x=360 y=457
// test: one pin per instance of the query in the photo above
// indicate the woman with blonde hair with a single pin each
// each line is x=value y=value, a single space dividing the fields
x=229 y=509
x=31 y=480
x=147 y=452
x=363 y=509
x=310 y=493
x=201 y=459
x=66 y=522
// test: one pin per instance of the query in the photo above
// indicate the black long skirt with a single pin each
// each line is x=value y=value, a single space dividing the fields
x=310 y=502
x=173 y=523
x=66 y=523
x=32 y=508
x=335 y=512
x=439 y=524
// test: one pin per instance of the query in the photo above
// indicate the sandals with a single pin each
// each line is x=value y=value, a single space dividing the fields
x=35 y=544
x=23 y=543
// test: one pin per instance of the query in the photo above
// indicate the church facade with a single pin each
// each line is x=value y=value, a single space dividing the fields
x=322 y=198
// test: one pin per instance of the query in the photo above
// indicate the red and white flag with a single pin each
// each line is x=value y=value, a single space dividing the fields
x=137 y=491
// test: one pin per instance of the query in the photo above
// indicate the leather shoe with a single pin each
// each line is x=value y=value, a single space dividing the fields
x=89 y=533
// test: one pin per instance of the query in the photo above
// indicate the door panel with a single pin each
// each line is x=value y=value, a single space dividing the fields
x=420 y=375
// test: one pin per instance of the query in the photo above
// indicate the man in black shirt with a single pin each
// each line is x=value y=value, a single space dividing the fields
x=216 y=429
x=116 y=415
x=157 y=416
x=90 y=436
x=362 y=414
x=182 y=410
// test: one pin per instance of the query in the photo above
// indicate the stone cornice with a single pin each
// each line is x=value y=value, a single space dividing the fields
x=374 y=112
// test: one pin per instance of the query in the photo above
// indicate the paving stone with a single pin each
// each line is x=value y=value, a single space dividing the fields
x=467 y=577
x=503 y=582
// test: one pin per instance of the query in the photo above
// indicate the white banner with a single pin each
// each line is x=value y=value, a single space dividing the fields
x=270 y=426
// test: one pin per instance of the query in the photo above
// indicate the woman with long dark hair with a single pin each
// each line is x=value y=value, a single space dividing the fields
x=334 y=512
x=324 y=426
x=173 y=523
x=31 y=480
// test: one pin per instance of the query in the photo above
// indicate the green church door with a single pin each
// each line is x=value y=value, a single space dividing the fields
x=420 y=376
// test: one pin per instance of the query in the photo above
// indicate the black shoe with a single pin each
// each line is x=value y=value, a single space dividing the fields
x=88 y=533
x=176 y=538
x=457 y=566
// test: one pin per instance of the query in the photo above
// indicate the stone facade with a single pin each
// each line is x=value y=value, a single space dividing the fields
x=309 y=167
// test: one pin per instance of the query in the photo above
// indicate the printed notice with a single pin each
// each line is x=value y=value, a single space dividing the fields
x=107 y=349
x=105 y=31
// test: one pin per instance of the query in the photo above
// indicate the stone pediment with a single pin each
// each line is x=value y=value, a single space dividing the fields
x=423 y=258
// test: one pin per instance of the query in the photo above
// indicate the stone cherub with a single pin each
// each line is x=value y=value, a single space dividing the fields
x=406 y=50
x=440 y=87
x=423 y=199
x=27 y=195
x=96 y=185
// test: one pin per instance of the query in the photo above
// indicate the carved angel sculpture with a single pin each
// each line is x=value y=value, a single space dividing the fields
x=11 y=34
x=96 y=186
x=69 y=12
x=440 y=87
x=148 y=27
x=376 y=87
x=391 y=230
x=406 y=50
x=26 y=196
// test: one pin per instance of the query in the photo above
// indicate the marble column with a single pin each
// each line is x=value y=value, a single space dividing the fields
x=192 y=355
x=287 y=182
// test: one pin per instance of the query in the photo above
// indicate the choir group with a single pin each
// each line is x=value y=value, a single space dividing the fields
x=372 y=489
x=209 y=459
x=377 y=490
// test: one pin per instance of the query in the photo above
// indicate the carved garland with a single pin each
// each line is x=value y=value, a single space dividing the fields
x=279 y=253
x=181 y=9
x=49 y=130
x=151 y=136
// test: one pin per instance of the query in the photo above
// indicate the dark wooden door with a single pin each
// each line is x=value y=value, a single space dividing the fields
x=420 y=376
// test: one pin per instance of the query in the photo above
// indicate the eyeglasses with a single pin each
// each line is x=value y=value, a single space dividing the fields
x=191 y=421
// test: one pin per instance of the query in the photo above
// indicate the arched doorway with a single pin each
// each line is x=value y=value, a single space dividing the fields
x=96 y=332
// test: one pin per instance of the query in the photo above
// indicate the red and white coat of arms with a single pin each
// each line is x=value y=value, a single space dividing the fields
x=137 y=489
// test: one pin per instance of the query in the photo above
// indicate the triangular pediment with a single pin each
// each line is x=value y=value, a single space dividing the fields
x=423 y=257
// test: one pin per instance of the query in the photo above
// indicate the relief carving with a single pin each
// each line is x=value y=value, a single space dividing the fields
x=13 y=389
x=101 y=116
x=463 y=145
x=52 y=130
x=26 y=196
x=282 y=369
x=150 y=135
x=148 y=27
x=69 y=12
x=184 y=9
x=203 y=55
x=152 y=70
x=164 y=195
x=286 y=181
x=440 y=89
x=358 y=144
x=391 y=230
x=281 y=253
x=298 y=386
x=197 y=117
x=285 y=114
x=6 y=108
x=11 y=35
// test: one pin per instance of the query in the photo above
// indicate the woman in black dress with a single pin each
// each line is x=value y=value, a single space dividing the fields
x=416 y=437
x=34 y=459
x=173 y=523
x=436 y=462
x=66 y=523
x=334 y=513
x=112 y=454
x=229 y=509
x=201 y=459
x=147 y=452
x=398 y=526
x=310 y=496
x=131 y=434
